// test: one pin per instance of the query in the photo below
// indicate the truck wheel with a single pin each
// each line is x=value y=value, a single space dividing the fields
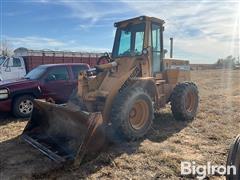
x=23 y=106
x=184 y=101
x=233 y=159
x=132 y=113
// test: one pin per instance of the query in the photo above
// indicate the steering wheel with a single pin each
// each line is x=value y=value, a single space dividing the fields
x=104 y=58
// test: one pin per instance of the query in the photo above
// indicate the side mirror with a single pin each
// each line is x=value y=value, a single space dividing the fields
x=145 y=51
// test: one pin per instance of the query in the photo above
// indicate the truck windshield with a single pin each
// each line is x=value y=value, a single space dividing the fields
x=129 y=40
x=36 y=73
x=1 y=60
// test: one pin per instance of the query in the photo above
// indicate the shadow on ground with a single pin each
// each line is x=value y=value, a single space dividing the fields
x=5 y=115
x=21 y=160
x=6 y=118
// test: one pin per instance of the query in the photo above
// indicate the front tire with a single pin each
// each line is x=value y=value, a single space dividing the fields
x=184 y=101
x=132 y=113
x=22 y=106
x=233 y=159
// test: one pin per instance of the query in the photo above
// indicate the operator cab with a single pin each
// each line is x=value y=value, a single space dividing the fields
x=143 y=37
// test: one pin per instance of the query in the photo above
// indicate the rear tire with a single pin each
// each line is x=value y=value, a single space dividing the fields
x=22 y=106
x=184 y=101
x=132 y=114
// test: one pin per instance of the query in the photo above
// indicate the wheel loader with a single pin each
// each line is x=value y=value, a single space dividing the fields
x=116 y=99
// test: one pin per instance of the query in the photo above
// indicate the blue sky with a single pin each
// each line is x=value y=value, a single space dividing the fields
x=203 y=30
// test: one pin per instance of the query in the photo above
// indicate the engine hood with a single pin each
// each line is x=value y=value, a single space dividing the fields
x=20 y=83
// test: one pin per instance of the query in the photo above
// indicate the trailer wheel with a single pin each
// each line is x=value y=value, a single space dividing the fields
x=184 y=101
x=233 y=159
x=132 y=113
x=22 y=106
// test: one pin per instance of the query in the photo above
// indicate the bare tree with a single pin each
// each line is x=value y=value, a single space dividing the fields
x=227 y=62
x=6 y=48
x=238 y=61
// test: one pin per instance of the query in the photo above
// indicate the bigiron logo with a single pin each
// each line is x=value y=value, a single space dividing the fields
x=202 y=171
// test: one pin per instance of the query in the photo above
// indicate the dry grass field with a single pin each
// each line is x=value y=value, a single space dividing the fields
x=158 y=155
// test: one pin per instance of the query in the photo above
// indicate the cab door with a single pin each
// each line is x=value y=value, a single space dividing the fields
x=17 y=67
x=57 y=84
x=19 y=62
x=157 y=48
x=7 y=70
x=13 y=68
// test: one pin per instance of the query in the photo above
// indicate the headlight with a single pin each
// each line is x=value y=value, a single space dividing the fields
x=3 y=93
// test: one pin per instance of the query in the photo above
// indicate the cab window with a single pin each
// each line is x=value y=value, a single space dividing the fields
x=16 y=62
x=2 y=59
x=139 y=38
x=125 y=42
x=12 y=62
x=5 y=64
x=156 y=47
x=57 y=74
x=129 y=40
x=77 y=69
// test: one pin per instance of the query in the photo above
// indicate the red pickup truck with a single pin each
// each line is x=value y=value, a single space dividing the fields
x=53 y=82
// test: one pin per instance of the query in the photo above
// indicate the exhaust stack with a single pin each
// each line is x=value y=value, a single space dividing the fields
x=171 y=47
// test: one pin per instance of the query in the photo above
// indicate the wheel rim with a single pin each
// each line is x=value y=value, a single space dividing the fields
x=138 y=115
x=26 y=106
x=190 y=101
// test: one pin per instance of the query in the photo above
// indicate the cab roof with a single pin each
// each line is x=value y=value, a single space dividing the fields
x=140 y=18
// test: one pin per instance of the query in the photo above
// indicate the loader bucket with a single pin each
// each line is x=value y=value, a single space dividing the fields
x=63 y=134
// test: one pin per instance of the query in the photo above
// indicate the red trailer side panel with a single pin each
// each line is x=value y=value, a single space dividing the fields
x=34 y=58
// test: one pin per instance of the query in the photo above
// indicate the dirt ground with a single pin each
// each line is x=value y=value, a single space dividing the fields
x=158 y=155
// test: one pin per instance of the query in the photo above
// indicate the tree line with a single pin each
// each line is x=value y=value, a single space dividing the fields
x=228 y=62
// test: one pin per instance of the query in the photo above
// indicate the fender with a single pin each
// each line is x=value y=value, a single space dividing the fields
x=35 y=91
x=148 y=84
